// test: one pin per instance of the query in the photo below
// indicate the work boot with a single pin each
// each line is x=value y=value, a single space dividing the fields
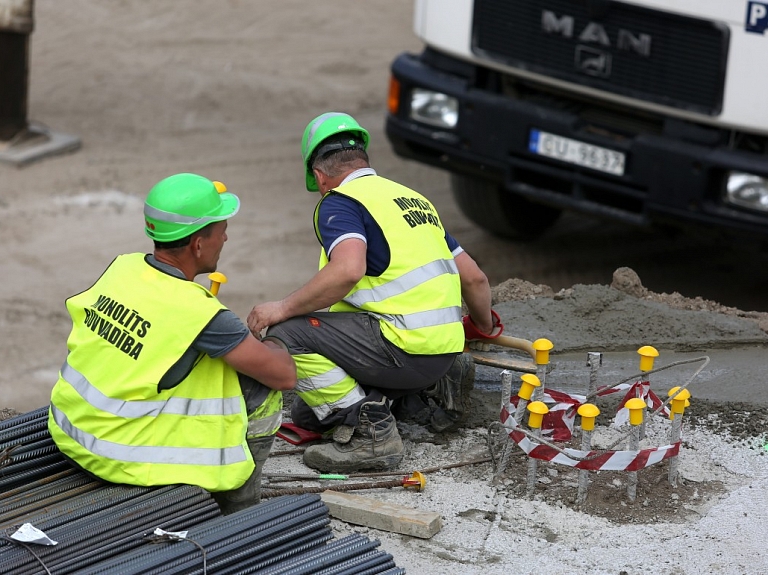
x=249 y=493
x=451 y=394
x=412 y=409
x=375 y=444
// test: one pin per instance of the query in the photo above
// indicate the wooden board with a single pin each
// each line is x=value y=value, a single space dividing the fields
x=503 y=361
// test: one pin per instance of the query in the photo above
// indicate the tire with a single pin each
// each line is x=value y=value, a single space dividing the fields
x=501 y=212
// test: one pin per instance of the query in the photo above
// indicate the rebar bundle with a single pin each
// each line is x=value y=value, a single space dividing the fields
x=102 y=528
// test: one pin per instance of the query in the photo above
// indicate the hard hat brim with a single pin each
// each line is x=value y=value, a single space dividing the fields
x=230 y=205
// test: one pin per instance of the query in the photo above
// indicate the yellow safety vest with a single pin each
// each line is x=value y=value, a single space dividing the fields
x=106 y=411
x=266 y=419
x=418 y=297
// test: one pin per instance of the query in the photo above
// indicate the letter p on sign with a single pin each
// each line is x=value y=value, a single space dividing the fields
x=757 y=17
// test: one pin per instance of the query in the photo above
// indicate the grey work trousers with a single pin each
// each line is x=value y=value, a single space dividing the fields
x=354 y=342
x=250 y=492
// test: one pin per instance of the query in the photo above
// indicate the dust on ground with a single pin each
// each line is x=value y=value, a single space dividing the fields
x=656 y=501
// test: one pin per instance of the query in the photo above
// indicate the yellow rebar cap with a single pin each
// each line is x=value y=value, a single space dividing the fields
x=542 y=347
x=530 y=382
x=647 y=355
x=588 y=413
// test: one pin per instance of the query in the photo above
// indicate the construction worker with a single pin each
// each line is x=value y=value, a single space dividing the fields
x=394 y=281
x=162 y=383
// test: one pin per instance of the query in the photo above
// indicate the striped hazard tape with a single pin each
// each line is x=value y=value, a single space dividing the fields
x=641 y=389
x=588 y=460
x=559 y=421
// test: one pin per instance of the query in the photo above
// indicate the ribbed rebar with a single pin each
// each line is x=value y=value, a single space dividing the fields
x=370 y=562
x=102 y=528
x=32 y=472
x=333 y=553
x=20 y=420
x=318 y=533
x=135 y=540
x=20 y=433
x=42 y=500
x=254 y=535
x=29 y=438
x=109 y=524
x=267 y=493
x=23 y=490
x=232 y=554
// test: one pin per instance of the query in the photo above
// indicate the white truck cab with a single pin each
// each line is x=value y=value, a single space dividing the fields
x=644 y=111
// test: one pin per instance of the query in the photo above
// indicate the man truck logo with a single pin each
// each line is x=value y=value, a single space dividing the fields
x=757 y=17
x=595 y=33
x=593 y=62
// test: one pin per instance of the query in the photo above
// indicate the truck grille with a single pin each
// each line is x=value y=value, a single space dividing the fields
x=663 y=58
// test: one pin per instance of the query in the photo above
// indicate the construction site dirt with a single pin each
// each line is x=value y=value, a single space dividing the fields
x=225 y=91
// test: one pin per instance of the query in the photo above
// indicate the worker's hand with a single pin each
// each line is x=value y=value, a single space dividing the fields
x=264 y=315
x=472 y=332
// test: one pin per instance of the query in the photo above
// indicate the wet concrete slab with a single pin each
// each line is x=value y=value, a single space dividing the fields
x=738 y=374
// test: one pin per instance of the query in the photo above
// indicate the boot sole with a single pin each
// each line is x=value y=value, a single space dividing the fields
x=381 y=463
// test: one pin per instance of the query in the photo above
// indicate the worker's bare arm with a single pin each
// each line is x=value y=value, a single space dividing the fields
x=328 y=286
x=266 y=362
x=476 y=292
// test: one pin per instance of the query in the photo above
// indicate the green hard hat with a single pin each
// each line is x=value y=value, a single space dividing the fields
x=181 y=204
x=329 y=132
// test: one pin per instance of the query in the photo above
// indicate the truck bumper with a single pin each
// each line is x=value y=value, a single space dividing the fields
x=673 y=173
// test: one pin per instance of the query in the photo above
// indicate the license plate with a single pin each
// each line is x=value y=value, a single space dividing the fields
x=575 y=152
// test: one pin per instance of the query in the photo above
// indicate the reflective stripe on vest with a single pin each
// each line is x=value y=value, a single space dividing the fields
x=147 y=454
x=432 y=318
x=324 y=386
x=404 y=283
x=121 y=408
x=267 y=418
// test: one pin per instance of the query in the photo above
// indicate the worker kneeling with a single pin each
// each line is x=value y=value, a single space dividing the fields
x=162 y=383
x=393 y=280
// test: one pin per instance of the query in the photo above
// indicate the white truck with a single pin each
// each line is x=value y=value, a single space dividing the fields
x=643 y=111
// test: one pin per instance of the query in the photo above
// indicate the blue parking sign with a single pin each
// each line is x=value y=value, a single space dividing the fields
x=757 y=17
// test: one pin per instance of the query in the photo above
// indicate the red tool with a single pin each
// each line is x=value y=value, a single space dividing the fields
x=296 y=435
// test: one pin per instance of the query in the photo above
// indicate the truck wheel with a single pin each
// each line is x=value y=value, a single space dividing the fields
x=501 y=212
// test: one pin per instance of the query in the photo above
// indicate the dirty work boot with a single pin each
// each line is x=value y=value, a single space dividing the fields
x=249 y=493
x=412 y=409
x=375 y=444
x=451 y=393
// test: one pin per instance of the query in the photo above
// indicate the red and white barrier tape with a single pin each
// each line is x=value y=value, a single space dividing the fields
x=589 y=460
x=558 y=423
x=641 y=389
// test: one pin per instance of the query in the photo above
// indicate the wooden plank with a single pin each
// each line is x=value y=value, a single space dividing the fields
x=503 y=361
x=390 y=517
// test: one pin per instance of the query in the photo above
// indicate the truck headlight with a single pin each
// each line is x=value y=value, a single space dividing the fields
x=747 y=191
x=434 y=108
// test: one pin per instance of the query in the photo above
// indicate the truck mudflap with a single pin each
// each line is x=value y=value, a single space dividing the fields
x=549 y=150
